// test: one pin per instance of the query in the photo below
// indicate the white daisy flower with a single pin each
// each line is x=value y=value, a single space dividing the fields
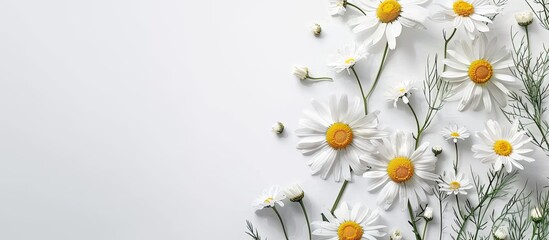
x=348 y=56
x=536 y=215
x=400 y=169
x=338 y=7
x=502 y=146
x=270 y=197
x=386 y=17
x=396 y=235
x=401 y=91
x=295 y=193
x=471 y=15
x=455 y=133
x=356 y=223
x=452 y=184
x=501 y=233
x=336 y=135
x=480 y=71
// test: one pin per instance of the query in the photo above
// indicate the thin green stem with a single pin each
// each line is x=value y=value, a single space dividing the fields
x=424 y=229
x=378 y=75
x=456 y=162
x=446 y=42
x=458 y=206
x=419 y=130
x=281 y=222
x=361 y=91
x=306 y=217
x=339 y=196
x=440 y=208
x=413 y=221
x=356 y=7
x=527 y=40
x=320 y=78
x=534 y=228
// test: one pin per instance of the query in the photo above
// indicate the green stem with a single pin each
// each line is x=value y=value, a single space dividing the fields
x=281 y=222
x=424 y=230
x=527 y=40
x=413 y=221
x=356 y=7
x=440 y=208
x=534 y=231
x=306 y=217
x=378 y=75
x=361 y=91
x=456 y=162
x=339 y=196
x=446 y=42
x=320 y=78
x=419 y=130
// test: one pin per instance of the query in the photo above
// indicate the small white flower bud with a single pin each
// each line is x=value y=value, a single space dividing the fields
x=524 y=18
x=278 y=128
x=501 y=233
x=396 y=235
x=295 y=193
x=316 y=29
x=301 y=72
x=536 y=215
x=437 y=150
x=428 y=214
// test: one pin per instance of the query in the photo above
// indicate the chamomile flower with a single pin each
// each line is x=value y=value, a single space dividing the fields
x=455 y=133
x=480 y=71
x=501 y=233
x=348 y=56
x=502 y=146
x=402 y=91
x=270 y=197
x=454 y=184
x=338 y=7
x=335 y=135
x=400 y=169
x=386 y=17
x=355 y=223
x=471 y=15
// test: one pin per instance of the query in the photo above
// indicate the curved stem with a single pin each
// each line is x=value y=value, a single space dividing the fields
x=306 y=218
x=361 y=91
x=320 y=78
x=281 y=222
x=456 y=162
x=413 y=221
x=447 y=41
x=424 y=230
x=356 y=7
x=383 y=59
x=418 y=135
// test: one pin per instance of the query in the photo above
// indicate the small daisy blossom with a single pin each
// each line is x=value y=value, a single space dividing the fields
x=502 y=146
x=455 y=133
x=270 y=197
x=338 y=7
x=481 y=72
x=454 y=184
x=396 y=235
x=355 y=223
x=335 y=135
x=501 y=233
x=402 y=91
x=400 y=170
x=348 y=56
x=471 y=15
x=524 y=18
x=386 y=17
x=295 y=193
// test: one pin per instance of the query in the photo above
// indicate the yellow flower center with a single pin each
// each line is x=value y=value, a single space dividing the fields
x=350 y=61
x=268 y=200
x=503 y=148
x=350 y=231
x=402 y=90
x=339 y=135
x=400 y=169
x=388 y=11
x=463 y=8
x=454 y=185
x=454 y=134
x=480 y=71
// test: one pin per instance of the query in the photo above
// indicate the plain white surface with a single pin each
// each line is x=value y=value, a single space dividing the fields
x=135 y=119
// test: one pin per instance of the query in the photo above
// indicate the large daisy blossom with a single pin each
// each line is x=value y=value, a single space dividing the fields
x=454 y=184
x=502 y=146
x=270 y=197
x=480 y=71
x=348 y=56
x=336 y=135
x=386 y=17
x=400 y=169
x=354 y=223
x=471 y=15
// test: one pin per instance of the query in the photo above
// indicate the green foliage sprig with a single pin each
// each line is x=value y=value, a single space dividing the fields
x=252 y=232
x=543 y=14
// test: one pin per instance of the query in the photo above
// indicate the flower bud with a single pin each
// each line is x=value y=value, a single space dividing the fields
x=524 y=18
x=396 y=235
x=278 y=128
x=536 y=215
x=428 y=214
x=295 y=193
x=301 y=72
x=316 y=29
x=501 y=233
x=437 y=150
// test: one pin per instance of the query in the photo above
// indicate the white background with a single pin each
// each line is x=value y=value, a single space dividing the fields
x=135 y=119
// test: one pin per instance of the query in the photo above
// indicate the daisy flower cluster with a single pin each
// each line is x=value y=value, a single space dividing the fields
x=342 y=138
